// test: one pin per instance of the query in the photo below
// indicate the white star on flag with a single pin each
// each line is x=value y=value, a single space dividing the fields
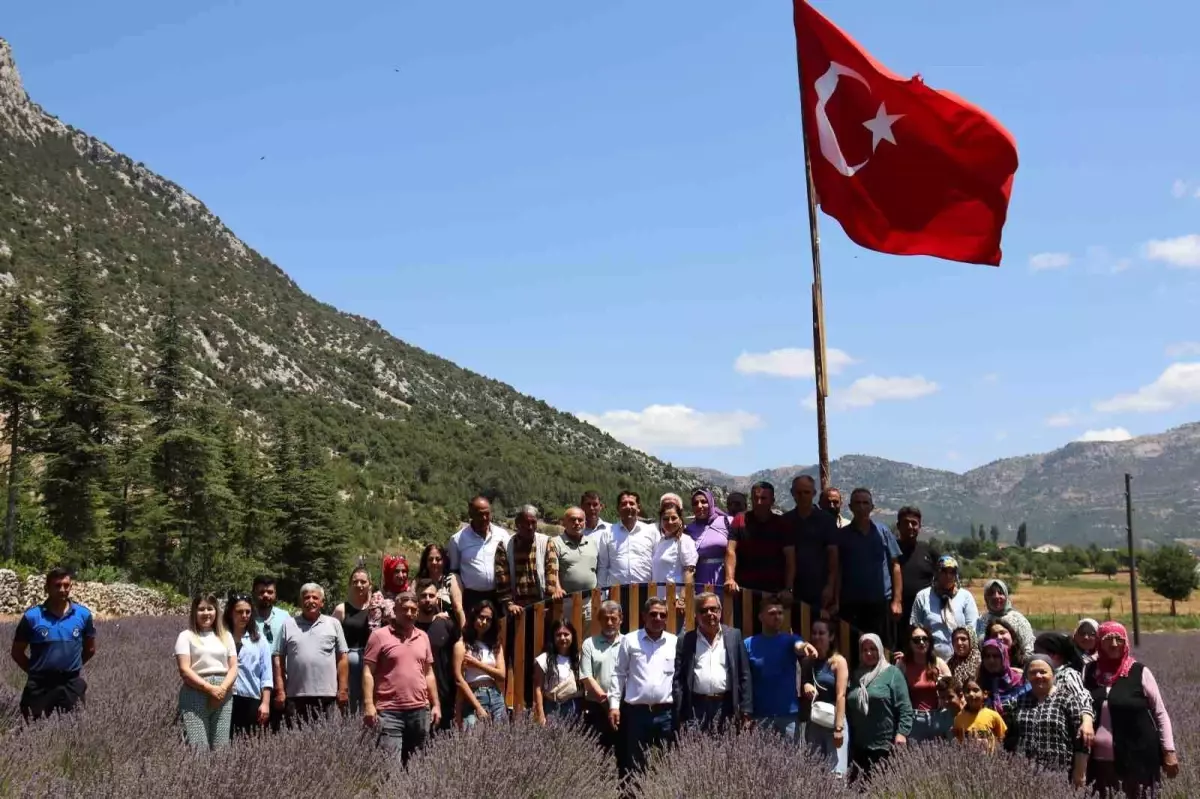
x=881 y=126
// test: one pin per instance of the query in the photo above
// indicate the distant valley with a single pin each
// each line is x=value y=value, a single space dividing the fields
x=1074 y=494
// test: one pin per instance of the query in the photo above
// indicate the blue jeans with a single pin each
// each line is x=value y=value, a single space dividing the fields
x=403 y=731
x=493 y=704
x=787 y=726
x=354 y=657
x=645 y=726
x=820 y=744
x=567 y=709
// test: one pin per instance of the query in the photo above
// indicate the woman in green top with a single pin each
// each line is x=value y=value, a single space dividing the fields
x=879 y=710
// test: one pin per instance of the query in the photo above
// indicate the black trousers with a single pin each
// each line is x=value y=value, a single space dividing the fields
x=595 y=716
x=472 y=598
x=302 y=710
x=870 y=617
x=863 y=760
x=245 y=716
x=52 y=692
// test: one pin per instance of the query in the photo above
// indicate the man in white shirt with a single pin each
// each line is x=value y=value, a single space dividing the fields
x=625 y=551
x=640 y=700
x=592 y=505
x=472 y=554
x=712 y=682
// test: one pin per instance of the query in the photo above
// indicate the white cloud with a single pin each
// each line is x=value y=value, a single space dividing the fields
x=674 y=426
x=1179 y=188
x=1182 y=251
x=1183 y=349
x=1044 y=261
x=991 y=378
x=866 y=391
x=1107 y=434
x=1064 y=419
x=790 y=362
x=1178 y=385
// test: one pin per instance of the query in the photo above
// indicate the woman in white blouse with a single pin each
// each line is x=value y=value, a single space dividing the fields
x=557 y=690
x=207 y=661
x=675 y=554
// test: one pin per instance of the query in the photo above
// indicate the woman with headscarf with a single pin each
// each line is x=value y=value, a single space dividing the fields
x=710 y=530
x=1085 y=639
x=1004 y=632
x=964 y=662
x=1002 y=682
x=878 y=707
x=999 y=606
x=1042 y=723
x=944 y=606
x=1134 y=743
x=1068 y=675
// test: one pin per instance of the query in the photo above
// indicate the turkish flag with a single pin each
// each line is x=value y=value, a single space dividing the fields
x=905 y=169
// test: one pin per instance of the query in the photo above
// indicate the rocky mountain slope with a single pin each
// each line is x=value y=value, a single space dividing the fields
x=420 y=434
x=1074 y=494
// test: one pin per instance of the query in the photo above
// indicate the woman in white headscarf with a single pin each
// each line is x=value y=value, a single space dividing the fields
x=878 y=707
x=944 y=607
x=1000 y=607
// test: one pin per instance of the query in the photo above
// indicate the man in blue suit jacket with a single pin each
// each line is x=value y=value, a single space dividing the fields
x=712 y=671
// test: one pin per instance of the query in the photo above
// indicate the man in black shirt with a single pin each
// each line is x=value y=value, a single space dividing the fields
x=814 y=535
x=442 y=634
x=918 y=566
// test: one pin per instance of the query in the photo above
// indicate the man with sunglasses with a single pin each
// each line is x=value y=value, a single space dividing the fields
x=641 y=700
x=269 y=620
x=712 y=672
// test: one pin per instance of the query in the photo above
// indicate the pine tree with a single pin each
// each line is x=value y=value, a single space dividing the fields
x=1022 y=536
x=23 y=373
x=79 y=423
x=255 y=527
x=128 y=474
x=995 y=534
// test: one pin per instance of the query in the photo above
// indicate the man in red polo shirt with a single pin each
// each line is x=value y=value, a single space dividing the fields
x=400 y=696
x=760 y=554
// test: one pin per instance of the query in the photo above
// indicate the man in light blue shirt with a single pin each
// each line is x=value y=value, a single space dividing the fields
x=269 y=621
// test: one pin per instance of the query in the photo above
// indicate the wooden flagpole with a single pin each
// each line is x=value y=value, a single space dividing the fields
x=818 y=302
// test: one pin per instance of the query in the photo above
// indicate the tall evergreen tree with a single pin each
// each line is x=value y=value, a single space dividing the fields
x=23 y=373
x=253 y=492
x=995 y=534
x=1022 y=536
x=79 y=422
x=128 y=473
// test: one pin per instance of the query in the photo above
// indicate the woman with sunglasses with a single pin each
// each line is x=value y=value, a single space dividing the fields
x=922 y=670
x=252 y=688
x=943 y=607
x=355 y=616
x=1134 y=744
x=479 y=668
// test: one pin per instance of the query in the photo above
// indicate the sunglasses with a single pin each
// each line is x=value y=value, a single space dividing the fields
x=919 y=639
x=656 y=615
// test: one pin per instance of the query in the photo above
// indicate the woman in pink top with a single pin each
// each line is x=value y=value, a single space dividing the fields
x=1134 y=744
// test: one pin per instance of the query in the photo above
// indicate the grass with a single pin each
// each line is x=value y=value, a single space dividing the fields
x=1149 y=622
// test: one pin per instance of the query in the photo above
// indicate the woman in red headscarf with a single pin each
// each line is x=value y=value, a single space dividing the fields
x=1134 y=744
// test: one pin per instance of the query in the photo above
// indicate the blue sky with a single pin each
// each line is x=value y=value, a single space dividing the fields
x=602 y=204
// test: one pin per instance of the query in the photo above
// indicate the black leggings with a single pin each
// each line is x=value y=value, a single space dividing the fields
x=245 y=716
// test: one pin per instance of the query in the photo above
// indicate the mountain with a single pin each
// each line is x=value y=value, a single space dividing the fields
x=413 y=436
x=1075 y=494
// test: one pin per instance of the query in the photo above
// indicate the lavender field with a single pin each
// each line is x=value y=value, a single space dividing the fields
x=126 y=745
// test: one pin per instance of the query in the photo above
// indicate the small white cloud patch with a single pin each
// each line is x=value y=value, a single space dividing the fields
x=1106 y=434
x=1045 y=261
x=792 y=362
x=662 y=426
x=1182 y=252
x=1177 y=386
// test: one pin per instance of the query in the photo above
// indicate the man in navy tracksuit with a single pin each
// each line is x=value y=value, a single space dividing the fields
x=52 y=642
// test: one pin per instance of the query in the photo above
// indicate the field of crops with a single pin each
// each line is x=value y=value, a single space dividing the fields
x=126 y=745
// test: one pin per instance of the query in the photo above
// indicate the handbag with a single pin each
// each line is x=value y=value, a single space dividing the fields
x=823 y=715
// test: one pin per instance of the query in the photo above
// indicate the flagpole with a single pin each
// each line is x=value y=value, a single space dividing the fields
x=818 y=301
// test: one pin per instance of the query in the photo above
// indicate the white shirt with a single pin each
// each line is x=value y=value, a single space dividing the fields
x=473 y=557
x=645 y=670
x=565 y=686
x=600 y=527
x=207 y=654
x=671 y=557
x=625 y=556
x=708 y=669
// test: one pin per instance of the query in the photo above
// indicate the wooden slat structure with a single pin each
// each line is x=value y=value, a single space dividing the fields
x=738 y=610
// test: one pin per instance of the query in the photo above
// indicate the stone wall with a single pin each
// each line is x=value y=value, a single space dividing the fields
x=116 y=599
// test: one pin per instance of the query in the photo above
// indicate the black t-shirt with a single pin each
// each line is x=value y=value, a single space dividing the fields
x=354 y=627
x=812 y=536
x=760 y=551
x=443 y=634
x=918 y=567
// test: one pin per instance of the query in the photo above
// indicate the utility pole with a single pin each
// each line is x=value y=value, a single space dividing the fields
x=1133 y=580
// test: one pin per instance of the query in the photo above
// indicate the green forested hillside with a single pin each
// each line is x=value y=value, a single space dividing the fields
x=389 y=440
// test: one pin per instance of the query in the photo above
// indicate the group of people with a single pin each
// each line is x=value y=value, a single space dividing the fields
x=426 y=655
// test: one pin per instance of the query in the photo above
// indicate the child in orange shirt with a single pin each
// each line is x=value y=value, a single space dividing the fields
x=976 y=722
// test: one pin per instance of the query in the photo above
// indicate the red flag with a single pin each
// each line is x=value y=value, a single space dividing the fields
x=905 y=169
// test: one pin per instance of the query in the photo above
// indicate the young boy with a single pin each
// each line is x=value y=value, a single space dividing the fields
x=976 y=722
x=950 y=702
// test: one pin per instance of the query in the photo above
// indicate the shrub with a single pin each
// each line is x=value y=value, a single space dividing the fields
x=750 y=765
x=941 y=770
